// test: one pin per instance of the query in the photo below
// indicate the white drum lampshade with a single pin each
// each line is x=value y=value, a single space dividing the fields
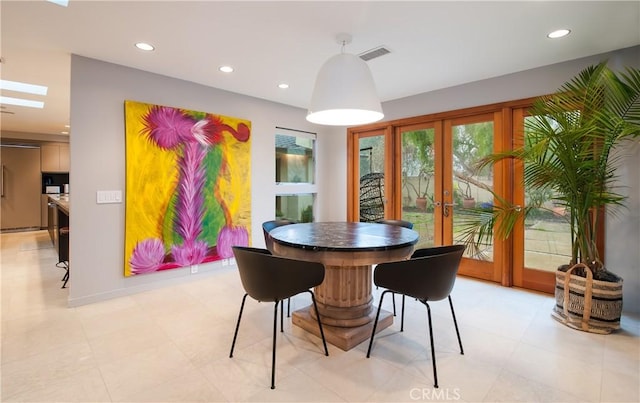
x=344 y=93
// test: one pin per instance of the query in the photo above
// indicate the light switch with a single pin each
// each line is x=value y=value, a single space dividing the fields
x=108 y=196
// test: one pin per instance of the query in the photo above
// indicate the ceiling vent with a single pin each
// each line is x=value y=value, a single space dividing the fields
x=373 y=53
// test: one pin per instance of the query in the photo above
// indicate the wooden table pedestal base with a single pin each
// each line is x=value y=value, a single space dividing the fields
x=343 y=337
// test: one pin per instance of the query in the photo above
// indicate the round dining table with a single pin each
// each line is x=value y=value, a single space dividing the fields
x=347 y=250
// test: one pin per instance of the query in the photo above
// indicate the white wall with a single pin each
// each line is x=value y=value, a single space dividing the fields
x=99 y=89
x=98 y=92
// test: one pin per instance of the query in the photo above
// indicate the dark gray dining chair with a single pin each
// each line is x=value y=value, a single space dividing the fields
x=267 y=227
x=428 y=276
x=399 y=223
x=268 y=278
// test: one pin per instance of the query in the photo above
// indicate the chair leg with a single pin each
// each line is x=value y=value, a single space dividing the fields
x=235 y=334
x=433 y=352
x=288 y=307
x=315 y=306
x=65 y=279
x=393 y=302
x=273 y=354
x=455 y=323
x=375 y=323
x=402 y=315
x=281 y=316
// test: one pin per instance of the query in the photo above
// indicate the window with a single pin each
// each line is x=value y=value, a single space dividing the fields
x=295 y=175
x=297 y=207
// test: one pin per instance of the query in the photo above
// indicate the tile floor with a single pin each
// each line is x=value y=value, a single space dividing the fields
x=172 y=344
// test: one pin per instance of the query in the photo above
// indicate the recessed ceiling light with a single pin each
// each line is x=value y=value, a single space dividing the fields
x=559 y=33
x=144 y=46
x=21 y=102
x=283 y=86
x=67 y=126
x=225 y=69
x=23 y=87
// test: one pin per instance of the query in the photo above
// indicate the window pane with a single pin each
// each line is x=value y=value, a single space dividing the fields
x=298 y=207
x=294 y=159
x=418 y=170
x=547 y=235
x=371 y=178
x=471 y=186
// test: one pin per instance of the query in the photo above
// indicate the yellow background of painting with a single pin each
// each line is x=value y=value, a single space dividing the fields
x=152 y=175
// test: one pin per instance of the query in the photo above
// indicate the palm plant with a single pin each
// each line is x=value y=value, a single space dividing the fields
x=569 y=152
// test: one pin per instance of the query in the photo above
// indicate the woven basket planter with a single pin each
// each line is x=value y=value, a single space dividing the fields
x=586 y=304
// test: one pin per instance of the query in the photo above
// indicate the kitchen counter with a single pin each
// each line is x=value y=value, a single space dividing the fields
x=62 y=201
x=59 y=224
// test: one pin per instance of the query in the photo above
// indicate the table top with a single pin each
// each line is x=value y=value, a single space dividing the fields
x=344 y=236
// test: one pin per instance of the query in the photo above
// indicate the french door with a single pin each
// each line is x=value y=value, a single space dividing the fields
x=424 y=173
x=424 y=170
x=439 y=179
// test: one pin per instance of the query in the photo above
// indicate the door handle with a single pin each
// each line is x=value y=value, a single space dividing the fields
x=2 y=183
x=445 y=211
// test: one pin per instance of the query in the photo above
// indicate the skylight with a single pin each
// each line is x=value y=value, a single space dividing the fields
x=63 y=3
x=23 y=87
x=21 y=102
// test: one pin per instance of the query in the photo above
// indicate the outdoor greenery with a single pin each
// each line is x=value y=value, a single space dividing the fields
x=418 y=160
x=307 y=214
x=569 y=153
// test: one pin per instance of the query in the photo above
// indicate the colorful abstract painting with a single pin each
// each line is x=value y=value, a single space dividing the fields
x=188 y=187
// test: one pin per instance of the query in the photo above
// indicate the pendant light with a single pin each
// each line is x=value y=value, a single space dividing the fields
x=344 y=92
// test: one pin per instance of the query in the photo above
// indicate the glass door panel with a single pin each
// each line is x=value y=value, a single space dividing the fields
x=466 y=186
x=547 y=234
x=471 y=186
x=542 y=242
x=371 y=174
x=418 y=183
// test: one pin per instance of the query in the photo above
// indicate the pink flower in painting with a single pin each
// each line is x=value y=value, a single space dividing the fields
x=168 y=127
x=229 y=237
x=209 y=131
x=199 y=132
x=190 y=202
x=189 y=254
x=147 y=256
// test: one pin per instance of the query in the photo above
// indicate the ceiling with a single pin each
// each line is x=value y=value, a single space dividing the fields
x=433 y=44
